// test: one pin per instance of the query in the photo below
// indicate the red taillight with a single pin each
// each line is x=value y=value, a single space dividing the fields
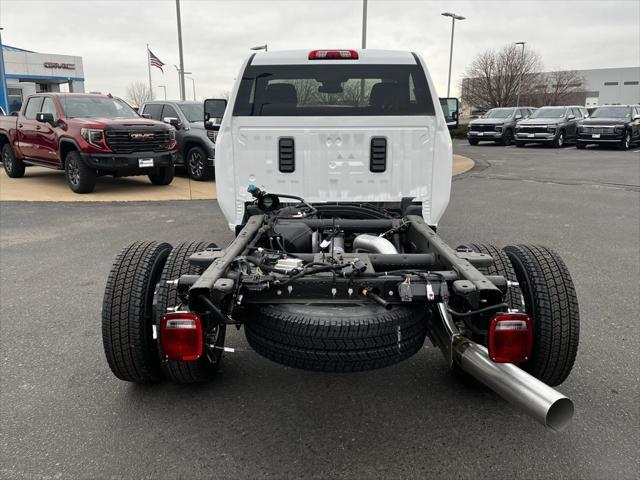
x=510 y=338
x=333 y=55
x=181 y=336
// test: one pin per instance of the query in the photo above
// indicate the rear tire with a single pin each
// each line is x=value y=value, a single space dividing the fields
x=14 y=167
x=203 y=369
x=550 y=301
x=80 y=178
x=519 y=144
x=127 y=312
x=335 y=338
x=162 y=176
x=196 y=164
x=581 y=145
x=473 y=141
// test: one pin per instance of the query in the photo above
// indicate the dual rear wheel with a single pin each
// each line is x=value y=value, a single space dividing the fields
x=324 y=337
x=137 y=294
x=543 y=289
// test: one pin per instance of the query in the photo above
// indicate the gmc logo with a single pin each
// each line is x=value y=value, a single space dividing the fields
x=62 y=66
x=141 y=136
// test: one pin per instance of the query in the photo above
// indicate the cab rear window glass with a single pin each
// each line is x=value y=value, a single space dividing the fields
x=333 y=90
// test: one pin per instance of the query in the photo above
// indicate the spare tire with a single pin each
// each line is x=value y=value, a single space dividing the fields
x=335 y=338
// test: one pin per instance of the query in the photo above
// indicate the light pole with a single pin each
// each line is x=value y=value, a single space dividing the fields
x=261 y=47
x=181 y=69
x=164 y=87
x=364 y=24
x=454 y=17
x=521 y=72
x=181 y=75
x=193 y=84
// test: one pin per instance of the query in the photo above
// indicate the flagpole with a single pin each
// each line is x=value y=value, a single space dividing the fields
x=149 y=68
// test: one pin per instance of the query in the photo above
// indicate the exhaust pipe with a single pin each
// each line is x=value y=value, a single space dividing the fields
x=371 y=243
x=543 y=403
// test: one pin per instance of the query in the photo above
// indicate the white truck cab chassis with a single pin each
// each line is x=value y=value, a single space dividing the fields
x=334 y=168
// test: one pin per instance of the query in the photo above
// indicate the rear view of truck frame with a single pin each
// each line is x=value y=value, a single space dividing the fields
x=343 y=271
x=343 y=288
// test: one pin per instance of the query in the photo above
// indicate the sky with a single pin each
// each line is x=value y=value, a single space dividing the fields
x=111 y=35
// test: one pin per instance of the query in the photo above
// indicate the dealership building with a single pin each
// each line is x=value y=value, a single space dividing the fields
x=27 y=72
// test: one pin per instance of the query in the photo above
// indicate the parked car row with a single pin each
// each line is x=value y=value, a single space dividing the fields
x=91 y=135
x=556 y=126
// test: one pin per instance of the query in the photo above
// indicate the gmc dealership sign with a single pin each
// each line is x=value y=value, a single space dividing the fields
x=61 y=66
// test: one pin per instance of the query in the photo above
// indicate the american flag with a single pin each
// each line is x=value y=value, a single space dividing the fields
x=155 y=61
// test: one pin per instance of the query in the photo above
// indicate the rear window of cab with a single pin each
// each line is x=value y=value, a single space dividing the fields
x=333 y=90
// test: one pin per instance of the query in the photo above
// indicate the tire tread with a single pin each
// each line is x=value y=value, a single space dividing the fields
x=131 y=353
x=553 y=305
x=334 y=342
x=177 y=265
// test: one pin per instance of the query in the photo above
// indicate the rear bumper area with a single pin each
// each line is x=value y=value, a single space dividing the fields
x=121 y=165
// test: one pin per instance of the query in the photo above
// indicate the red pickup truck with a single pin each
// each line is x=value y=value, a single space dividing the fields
x=87 y=136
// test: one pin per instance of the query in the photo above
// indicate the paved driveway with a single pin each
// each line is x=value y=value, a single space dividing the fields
x=65 y=416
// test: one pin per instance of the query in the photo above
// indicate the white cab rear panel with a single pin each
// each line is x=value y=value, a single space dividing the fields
x=332 y=154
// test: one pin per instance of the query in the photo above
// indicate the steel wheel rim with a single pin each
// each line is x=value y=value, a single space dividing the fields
x=561 y=140
x=196 y=165
x=627 y=140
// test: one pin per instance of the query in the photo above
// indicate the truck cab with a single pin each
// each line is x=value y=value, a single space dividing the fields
x=335 y=126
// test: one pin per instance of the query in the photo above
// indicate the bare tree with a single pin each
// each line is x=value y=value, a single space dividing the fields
x=306 y=90
x=557 y=87
x=494 y=78
x=138 y=93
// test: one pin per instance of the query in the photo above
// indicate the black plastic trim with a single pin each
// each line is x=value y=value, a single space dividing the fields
x=378 y=155
x=286 y=155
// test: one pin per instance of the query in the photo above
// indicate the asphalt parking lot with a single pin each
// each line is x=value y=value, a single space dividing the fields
x=65 y=416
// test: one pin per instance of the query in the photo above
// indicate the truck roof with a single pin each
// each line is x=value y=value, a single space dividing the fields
x=301 y=57
x=177 y=102
x=64 y=94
